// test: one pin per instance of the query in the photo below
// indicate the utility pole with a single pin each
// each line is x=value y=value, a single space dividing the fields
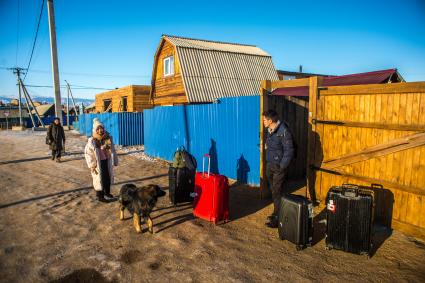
x=53 y=49
x=18 y=71
x=72 y=97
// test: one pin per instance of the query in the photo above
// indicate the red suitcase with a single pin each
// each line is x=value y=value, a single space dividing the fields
x=211 y=195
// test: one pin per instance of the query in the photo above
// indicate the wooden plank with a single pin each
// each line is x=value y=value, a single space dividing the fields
x=312 y=178
x=409 y=229
x=372 y=89
x=403 y=188
x=290 y=83
x=396 y=145
x=264 y=90
x=372 y=125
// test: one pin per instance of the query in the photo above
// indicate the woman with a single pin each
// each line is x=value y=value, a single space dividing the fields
x=56 y=139
x=101 y=157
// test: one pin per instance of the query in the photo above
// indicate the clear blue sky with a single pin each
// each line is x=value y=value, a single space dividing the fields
x=111 y=44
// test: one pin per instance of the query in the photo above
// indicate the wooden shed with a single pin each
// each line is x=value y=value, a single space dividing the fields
x=132 y=98
x=199 y=71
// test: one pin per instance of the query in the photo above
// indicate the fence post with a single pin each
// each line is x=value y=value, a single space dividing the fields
x=313 y=143
x=265 y=88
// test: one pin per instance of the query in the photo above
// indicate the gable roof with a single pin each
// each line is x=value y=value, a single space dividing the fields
x=376 y=77
x=212 y=69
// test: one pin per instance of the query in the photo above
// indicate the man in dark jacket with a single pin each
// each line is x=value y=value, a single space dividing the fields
x=279 y=153
x=56 y=139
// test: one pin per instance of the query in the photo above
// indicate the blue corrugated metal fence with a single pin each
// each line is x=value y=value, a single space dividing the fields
x=228 y=131
x=125 y=128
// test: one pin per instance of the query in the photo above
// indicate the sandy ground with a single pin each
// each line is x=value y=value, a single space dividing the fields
x=53 y=230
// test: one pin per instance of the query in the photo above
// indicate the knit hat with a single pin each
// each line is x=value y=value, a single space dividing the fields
x=97 y=124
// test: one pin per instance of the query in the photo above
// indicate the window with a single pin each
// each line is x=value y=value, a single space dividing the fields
x=169 y=66
x=107 y=105
x=124 y=103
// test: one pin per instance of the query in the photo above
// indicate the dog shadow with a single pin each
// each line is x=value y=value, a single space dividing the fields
x=174 y=221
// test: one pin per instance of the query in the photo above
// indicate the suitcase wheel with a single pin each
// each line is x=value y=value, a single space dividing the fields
x=298 y=247
x=328 y=248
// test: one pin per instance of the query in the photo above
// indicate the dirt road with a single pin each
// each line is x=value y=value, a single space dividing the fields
x=52 y=229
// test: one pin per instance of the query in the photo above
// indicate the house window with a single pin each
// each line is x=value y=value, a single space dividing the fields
x=124 y=103
x=107 y=105
x=169 y=66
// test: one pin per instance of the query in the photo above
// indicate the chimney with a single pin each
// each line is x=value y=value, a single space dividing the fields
x=301 y=68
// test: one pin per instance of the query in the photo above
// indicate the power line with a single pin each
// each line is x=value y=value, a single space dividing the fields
x=35 y=38
x=17 y=36
x=73 y=86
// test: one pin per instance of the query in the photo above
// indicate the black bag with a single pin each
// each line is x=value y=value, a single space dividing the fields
x=296 y=220
x=181 y=184
x=350 y=219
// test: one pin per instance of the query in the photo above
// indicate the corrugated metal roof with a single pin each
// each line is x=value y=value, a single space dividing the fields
x=212 y=70
x=43 y=109
x=377 y=77
x=215 y=45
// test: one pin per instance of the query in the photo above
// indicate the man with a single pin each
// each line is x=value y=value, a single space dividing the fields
x=56 y=139
x=100 y=156
x=279 y=152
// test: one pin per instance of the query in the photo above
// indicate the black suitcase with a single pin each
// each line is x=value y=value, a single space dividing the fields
x=350 y=219
x=181 y=184
x=296 y=220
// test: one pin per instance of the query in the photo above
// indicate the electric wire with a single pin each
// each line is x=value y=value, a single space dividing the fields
x=35 y=39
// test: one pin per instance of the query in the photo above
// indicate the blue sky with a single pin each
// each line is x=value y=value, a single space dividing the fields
x=110 y=44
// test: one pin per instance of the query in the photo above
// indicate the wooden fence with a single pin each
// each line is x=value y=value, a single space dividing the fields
x=369 y=134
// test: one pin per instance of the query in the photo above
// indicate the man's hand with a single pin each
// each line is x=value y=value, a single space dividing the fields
x=94 y=170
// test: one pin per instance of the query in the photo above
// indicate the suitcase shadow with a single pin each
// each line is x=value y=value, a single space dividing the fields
x=319 y=227
x=244 y=200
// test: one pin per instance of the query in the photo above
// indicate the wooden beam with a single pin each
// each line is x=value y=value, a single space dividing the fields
x=312 y=150
x=396 y=127
x=416 y=87
x=290 y=83
x=265 y=88
x=409 y=229
x=386 y=184
x=396 y=145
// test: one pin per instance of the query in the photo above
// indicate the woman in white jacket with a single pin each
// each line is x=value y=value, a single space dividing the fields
x=101 y=157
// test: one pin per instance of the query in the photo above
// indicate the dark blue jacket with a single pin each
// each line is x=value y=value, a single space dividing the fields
x=279 y=146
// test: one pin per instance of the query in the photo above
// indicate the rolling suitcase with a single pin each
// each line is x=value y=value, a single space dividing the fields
x=350 y=219
x=181 y=184
x=211 y=195
x=296 y=220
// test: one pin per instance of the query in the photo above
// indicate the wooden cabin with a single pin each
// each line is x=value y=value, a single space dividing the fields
x=132 y=98
x=189 y=70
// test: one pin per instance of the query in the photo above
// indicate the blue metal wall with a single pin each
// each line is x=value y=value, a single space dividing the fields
x=228 y=131
x=125 y=128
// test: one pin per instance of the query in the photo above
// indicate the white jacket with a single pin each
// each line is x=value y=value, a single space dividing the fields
x=92 y=156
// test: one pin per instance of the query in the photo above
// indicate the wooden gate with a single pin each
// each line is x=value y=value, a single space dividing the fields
x=372 y=134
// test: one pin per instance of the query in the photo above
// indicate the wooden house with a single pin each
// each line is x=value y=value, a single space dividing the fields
x=132 y=98
x=199 y=71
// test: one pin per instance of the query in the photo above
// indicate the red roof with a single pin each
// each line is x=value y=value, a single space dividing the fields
x=377 y=77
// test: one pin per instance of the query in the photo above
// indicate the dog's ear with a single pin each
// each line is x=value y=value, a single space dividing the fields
x=159 y=191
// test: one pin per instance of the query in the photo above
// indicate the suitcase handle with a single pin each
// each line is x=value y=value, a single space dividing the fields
x=203 y=165
x=350 y=190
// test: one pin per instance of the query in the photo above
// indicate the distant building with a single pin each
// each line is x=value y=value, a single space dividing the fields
x=289 y=75
x=10 y=115
x=91 y=108
x=132 y=98
x=46 y=110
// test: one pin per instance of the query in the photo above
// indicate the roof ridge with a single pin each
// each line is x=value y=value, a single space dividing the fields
x=205 y=40
x=362 y=74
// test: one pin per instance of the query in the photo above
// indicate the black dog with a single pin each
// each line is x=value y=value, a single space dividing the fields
x=139 y=201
